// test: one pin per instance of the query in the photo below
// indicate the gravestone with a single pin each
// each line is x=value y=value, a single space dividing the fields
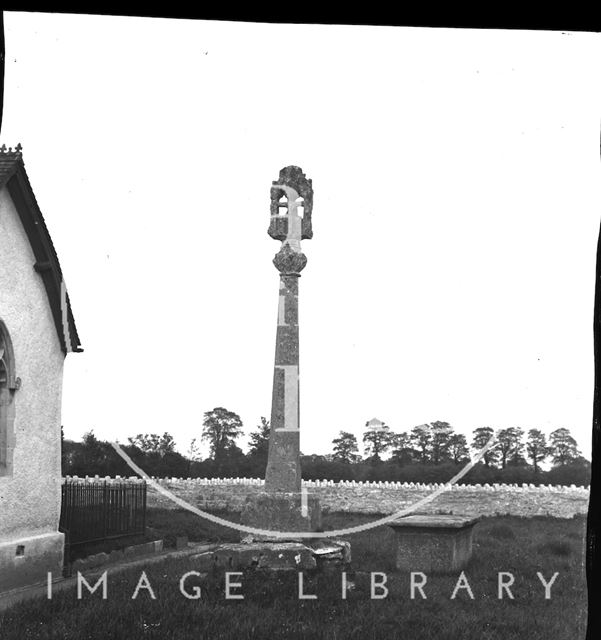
x=285 y=505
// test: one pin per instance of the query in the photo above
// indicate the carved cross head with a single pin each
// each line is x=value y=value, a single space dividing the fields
x=291 y=206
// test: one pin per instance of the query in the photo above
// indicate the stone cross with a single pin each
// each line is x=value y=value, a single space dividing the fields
x=284 y=508
x=283 y=466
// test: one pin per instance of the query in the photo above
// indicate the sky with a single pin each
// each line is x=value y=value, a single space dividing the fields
x=456 y=215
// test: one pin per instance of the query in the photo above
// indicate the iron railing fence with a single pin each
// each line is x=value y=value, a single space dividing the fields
x=100 y=510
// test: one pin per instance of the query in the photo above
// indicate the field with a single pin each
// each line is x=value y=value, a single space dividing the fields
x=271 y=607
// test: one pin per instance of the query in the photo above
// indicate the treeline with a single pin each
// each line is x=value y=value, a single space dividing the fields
x=431 y=452
x=434 y=452
x=156 y=453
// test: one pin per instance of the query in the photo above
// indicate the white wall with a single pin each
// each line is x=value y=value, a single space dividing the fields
x=30 y=497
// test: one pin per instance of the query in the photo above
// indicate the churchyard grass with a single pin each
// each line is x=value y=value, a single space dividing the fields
x=271 y=607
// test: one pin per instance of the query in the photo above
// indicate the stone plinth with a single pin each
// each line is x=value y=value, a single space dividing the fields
x=279 y=512
x=433 y=543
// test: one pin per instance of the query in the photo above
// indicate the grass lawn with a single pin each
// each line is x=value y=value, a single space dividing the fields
x=271 y=607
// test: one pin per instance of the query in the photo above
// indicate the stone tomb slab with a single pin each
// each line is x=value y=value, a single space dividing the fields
x=433 y=543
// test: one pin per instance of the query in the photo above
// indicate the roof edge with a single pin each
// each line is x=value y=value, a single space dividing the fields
x=46 y=263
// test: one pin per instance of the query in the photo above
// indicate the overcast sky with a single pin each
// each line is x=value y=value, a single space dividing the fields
x=456 y=214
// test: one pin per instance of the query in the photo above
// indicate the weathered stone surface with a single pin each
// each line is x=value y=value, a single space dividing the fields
x=283 y=508
x=329 y=548
x=117 y=555
x=283 y=471
x=417 y=522
x=140 y=549
x=270 y=555
x=288 y=224
x=293 y=177
x=433 y=543
x=289 y=262
x=329 y=552
x=280 y=512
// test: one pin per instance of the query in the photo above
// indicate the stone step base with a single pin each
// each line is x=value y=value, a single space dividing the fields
x=273 y=556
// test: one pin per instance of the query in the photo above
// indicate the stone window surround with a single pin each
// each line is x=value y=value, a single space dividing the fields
x=9 y=383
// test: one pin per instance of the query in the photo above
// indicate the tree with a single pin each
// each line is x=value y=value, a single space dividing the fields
x=259 y=440
x=70 y=452
x=510 y=445
x=233 y=463
x=316 y=467
x=258 y=449
x=220 y=428
x=516 y=457
x=421 y=437
x=536 y=447
x=403 y=451
x=64 y=455
x=563 y=448
x=458 y=449
x=93 y=455
x=154 y=443
x=345 y=448
x=193 y=455
x=481 y=437
x=440 y=441
x=377 y=441
x=577 y=472
x=193 y=452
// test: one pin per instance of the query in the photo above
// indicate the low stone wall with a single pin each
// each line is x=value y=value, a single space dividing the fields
x=385 y=497
x=117 y=555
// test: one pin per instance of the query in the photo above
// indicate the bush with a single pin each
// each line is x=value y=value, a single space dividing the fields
x=578 y=473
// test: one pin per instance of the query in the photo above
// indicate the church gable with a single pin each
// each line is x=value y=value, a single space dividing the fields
x=13 y=178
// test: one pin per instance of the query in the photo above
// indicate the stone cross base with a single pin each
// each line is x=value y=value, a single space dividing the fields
x=280 y=512
x=433 y=543
x=275 y=556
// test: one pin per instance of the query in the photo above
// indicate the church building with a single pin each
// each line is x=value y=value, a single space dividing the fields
x=37 y=330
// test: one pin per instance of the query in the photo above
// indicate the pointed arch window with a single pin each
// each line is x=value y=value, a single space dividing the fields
x=8 y=385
